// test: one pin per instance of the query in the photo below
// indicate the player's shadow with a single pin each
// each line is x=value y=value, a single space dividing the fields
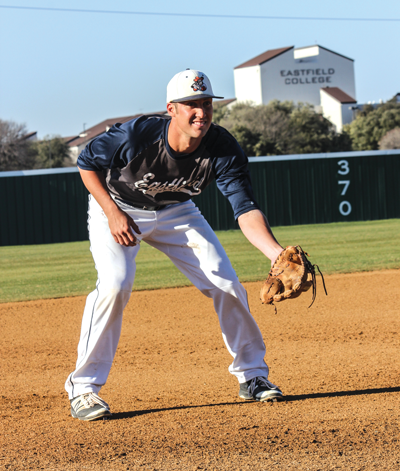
x=359 y=392
x=292 y=398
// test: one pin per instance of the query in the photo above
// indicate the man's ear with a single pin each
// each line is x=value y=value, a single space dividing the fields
x=171 y=109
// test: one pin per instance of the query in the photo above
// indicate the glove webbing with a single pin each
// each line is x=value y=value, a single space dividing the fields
x=311 y=269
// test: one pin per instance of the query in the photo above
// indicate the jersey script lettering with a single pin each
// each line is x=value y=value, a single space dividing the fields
x=181 y=185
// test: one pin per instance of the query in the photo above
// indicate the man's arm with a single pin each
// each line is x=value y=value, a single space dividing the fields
x=255 y=227
x=120 y=223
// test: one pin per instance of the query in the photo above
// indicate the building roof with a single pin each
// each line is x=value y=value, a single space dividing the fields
x=102 y=127
x=225 y=102
x=30 y=136
x=272 y=53
x=264 y=57
x=339 y=95
x=333 y=52
x=297 y=50
x=68 y=139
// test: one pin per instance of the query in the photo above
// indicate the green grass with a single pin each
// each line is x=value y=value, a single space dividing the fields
x=59 y=270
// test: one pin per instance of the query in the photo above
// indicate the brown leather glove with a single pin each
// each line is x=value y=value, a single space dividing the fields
x=291 y=274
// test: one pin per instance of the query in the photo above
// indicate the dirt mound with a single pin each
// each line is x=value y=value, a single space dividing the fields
x=175 y=405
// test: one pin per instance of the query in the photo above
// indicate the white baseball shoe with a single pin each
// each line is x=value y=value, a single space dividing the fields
x=89 y=406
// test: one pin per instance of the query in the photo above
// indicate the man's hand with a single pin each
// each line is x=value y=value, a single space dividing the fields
x=121 y=225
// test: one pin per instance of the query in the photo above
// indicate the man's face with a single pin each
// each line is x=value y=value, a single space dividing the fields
x=192 y=118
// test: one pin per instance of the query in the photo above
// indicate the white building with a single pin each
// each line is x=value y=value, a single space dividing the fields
x=338 y=107
x=298 y=75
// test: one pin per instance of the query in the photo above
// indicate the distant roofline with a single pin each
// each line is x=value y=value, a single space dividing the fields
x=272 y=53
x=225 y=102
x=264 y=57
x=333 y=52
x=68 y=139
x=339 y=95
x=29 y=135
x=101 y=128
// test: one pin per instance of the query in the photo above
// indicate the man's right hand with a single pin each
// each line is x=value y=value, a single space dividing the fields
x=121 y=225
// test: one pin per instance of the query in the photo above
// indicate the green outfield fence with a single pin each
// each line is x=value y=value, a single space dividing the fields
x=48 y=206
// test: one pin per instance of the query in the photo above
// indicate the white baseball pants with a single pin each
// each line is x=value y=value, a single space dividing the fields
x=182 y=233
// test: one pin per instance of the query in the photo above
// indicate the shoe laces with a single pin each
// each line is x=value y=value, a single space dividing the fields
x=257 y=382
x=89 y=400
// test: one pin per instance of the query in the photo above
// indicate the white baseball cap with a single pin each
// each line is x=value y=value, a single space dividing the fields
x=189 y=85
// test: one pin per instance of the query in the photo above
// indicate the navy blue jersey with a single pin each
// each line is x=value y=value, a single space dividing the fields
x=141 y=168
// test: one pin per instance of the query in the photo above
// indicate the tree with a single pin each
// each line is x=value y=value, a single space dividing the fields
x=220 y=111
x=314 y=134
x=281 y=128
x=18 y=153
x=15 y=150
x=391 y=140
x=371 y=124
x=247 y=139
x=51 y=153
x=267 y=126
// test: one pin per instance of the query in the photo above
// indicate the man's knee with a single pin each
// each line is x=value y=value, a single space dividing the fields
x=233 y=290
x=118 y=280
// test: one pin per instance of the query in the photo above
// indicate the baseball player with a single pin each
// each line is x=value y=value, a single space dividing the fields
x=141 y=176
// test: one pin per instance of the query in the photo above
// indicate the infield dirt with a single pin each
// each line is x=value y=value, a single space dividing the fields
x=176 y=407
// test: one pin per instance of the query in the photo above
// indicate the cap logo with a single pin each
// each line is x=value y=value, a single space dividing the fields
x=198 y=84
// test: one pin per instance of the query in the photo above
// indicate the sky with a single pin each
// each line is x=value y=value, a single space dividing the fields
x=63 y=71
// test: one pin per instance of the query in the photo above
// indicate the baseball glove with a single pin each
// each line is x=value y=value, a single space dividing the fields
x=291 y=274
